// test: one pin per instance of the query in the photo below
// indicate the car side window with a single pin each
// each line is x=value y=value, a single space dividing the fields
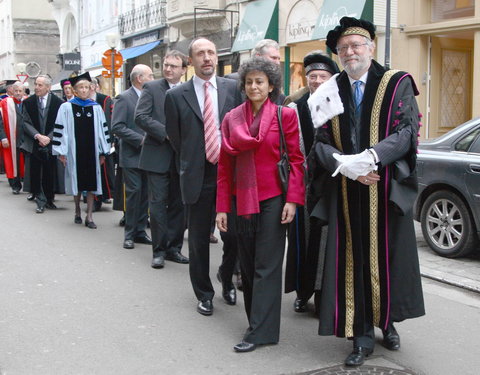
x=475 y=149
x=465 y=143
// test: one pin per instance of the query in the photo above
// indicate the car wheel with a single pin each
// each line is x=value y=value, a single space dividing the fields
x=447 y=225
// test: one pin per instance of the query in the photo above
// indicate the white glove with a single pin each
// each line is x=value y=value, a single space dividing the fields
x=352 y=166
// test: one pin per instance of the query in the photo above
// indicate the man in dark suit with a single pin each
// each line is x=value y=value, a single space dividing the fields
x=195 y=111
x=157 y=158
x=131 y=139
x=39 y=114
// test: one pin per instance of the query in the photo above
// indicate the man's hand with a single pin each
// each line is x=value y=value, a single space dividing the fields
x=43 y=140
x=221 y=221
x=370 y=179
x=102 y=159
x=288 y=212
x=5 y=143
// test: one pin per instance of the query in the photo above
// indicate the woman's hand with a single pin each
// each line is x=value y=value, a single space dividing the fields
x=102 y=159
x=221 y=221
x=63 y=159
x=288 y=212
x=5 y=143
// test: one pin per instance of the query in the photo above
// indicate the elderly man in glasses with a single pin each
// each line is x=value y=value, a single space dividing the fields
x=364 y=181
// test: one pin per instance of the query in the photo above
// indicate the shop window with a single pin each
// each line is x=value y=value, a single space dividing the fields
x=443 y=10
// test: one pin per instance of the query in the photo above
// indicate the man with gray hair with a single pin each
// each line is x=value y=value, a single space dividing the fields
x=39 y=115
x=131 y=140
x=11 y=108
x=268 y=49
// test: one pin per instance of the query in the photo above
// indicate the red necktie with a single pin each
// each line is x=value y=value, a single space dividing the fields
x=212 y=146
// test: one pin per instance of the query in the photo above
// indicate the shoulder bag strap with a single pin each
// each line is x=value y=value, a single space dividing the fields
x=283 y=143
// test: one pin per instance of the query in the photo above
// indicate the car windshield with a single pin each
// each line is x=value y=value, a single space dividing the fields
x=465 y=143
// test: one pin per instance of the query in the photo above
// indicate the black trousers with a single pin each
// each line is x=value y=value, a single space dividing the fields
x=42 y=179
x=167 y=218
x=199 y=217
x=136 y=213
x=16 y=182
x=261 y=258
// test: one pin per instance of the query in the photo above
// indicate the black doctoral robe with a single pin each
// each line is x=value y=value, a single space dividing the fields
x=371 y=271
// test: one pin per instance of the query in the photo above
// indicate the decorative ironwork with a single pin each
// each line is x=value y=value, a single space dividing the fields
x=143 y=18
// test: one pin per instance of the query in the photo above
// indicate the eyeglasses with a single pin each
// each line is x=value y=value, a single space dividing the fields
x=355 y=47
x=171 y=66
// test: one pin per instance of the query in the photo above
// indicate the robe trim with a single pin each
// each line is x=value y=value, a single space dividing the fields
x=373 y=216
x=374 y=193
x=349 y=275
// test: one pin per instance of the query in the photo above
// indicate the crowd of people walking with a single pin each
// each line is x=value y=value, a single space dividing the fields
x=332 y=163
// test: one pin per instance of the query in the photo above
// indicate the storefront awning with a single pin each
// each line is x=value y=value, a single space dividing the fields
x=130 y=53
x=333 y=10
x=259 y=22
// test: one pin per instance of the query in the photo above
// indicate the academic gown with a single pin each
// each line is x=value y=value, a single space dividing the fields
x=81 y=134
x=371 y=271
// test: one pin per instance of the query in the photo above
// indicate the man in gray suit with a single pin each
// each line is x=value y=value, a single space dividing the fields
x=157 y=158
x=131 y=139
x=188 y=127
x=39 y=115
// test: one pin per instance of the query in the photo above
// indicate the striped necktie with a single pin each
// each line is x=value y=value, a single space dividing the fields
x=212 y=146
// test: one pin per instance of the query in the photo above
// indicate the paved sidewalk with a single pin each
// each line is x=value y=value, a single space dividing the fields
x=461 y=272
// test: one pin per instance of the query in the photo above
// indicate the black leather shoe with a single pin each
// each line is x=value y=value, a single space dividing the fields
x=357 y=357
x=229 y=294
x=77 y=220
x=143 y=239
x=40 y=210
x=177 y=257
x=128 y=244
x=300 y=305
x=51 y=206
x=244 y=347
x=90 y=224
x=158 y=262
x=122 y=221
x=391 y=338
x=30 y=197
x=205 y=307
x=15 y=191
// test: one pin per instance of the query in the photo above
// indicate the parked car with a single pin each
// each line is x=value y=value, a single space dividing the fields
x=448 y=200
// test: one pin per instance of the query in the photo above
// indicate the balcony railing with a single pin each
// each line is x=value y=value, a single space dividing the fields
x=143 y=18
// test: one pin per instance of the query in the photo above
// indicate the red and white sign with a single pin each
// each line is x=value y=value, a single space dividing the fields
x=22 y=77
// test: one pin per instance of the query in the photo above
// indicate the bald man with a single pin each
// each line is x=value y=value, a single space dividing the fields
x=131 y=140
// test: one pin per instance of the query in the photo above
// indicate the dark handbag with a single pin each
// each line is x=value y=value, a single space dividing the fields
x=284 y=163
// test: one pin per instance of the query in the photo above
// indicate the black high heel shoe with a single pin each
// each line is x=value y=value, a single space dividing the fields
x=90 y=224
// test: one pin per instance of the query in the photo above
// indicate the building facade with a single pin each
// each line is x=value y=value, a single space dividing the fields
x=439 y=42
x=29 y=39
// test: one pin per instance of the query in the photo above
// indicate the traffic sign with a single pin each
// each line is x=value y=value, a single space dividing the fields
x=22 y=77
x=107 y=59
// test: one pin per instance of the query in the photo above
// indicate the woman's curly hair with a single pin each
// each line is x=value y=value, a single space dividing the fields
x=271 y=70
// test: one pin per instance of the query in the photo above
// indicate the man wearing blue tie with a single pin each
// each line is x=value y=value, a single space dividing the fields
x=364 y=159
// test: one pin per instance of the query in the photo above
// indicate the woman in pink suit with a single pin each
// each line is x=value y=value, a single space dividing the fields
x=249 y=190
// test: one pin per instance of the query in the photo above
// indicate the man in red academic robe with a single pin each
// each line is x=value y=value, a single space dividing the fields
x=11 y=108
